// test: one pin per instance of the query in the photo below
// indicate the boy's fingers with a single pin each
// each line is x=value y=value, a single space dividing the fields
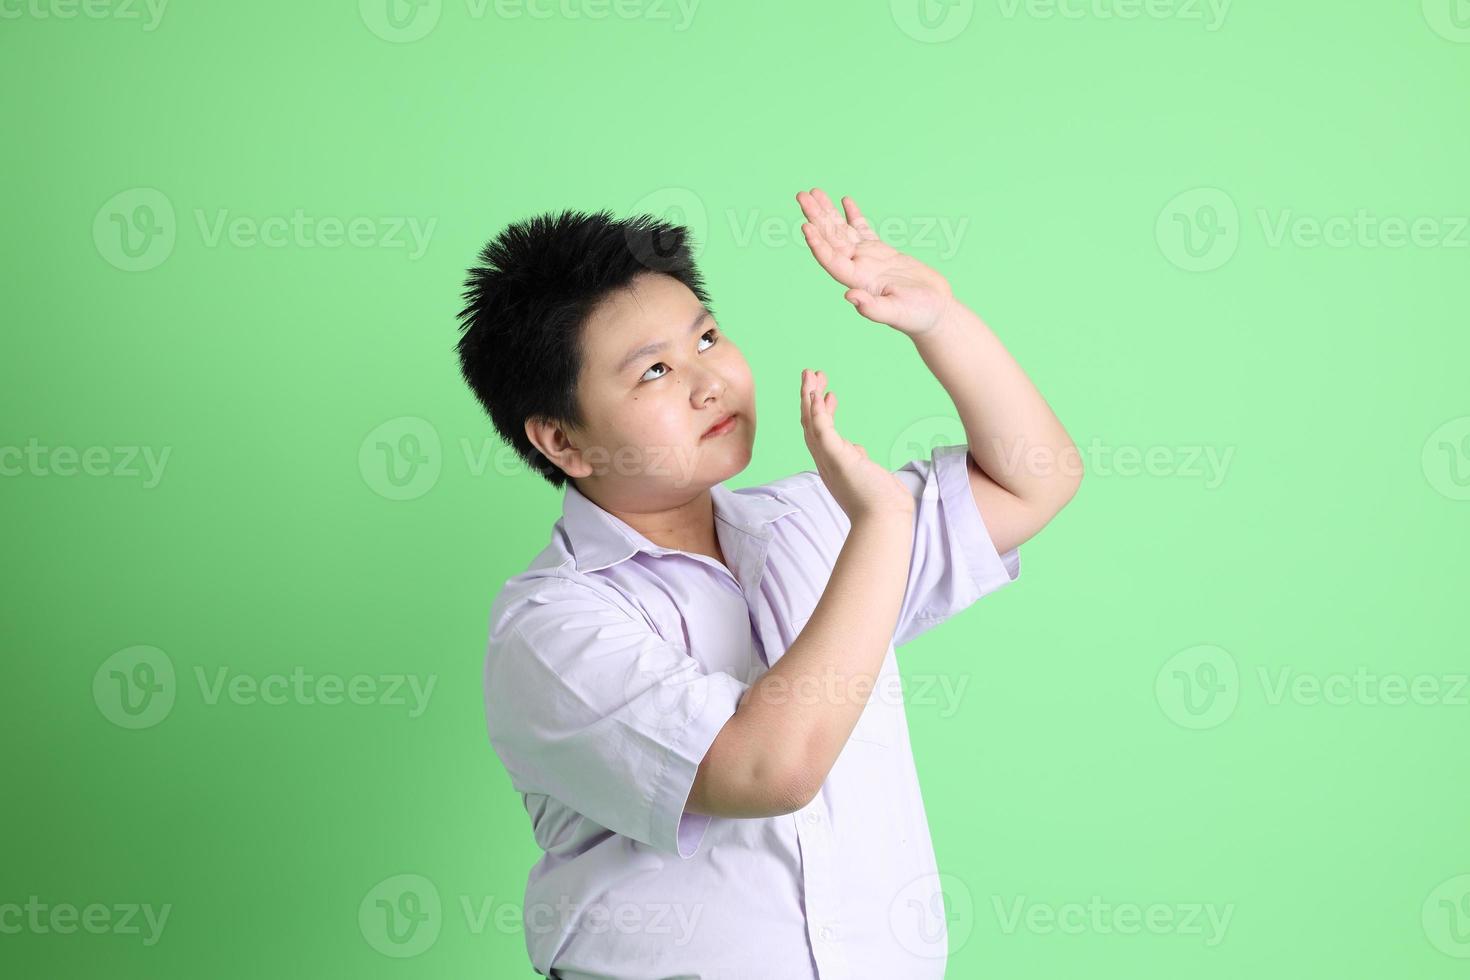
x=817 y=408
x=806 y=400
x=822 y=420
x=826 y=202
x=856 y=219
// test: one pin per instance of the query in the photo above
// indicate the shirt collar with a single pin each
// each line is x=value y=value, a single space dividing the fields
x=599 y=539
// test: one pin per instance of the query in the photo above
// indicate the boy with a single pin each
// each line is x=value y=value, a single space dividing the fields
x=682 y=684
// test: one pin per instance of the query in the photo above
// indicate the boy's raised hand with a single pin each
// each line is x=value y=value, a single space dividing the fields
x=861 y=486
x=885 y=285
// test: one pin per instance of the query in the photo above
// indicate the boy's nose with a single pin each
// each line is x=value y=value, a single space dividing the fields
x=704 y=386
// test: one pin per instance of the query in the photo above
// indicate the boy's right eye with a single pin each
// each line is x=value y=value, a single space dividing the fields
x=712 y=342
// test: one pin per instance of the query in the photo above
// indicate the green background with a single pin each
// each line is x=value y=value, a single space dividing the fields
x=1073 y=151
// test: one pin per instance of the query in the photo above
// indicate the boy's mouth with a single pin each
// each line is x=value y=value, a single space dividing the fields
x=721 y=427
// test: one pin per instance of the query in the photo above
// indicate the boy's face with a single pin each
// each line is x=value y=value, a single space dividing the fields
x=645 y=446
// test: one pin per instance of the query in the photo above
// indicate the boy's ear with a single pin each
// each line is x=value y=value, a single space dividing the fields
x=551 y=439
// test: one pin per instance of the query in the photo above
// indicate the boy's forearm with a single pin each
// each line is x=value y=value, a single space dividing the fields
x=802 y=711
x=1013 y=435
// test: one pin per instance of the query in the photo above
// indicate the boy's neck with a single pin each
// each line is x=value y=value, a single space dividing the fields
x=689 y=527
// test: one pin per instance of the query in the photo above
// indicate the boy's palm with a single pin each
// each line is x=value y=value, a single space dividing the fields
x=886 y=285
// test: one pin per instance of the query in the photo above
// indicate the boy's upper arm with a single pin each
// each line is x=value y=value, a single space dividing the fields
x=588 y=704
x=1010 y=521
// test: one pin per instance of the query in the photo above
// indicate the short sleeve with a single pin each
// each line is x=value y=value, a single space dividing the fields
x=954 y=561
x=588 y=704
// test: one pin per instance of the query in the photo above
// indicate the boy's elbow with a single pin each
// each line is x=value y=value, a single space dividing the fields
x=781 y=786
x=1072 y=478
x=1060 y=493
x=736 y=780
x=797 y=790
x=1069 y=490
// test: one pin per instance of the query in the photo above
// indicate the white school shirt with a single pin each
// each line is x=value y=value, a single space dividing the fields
x=612 y=665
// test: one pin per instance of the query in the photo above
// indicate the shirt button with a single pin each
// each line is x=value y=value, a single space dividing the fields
x=812 y=816
x=828 y=934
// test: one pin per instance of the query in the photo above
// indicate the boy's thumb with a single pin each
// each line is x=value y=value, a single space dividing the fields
x=867 y=304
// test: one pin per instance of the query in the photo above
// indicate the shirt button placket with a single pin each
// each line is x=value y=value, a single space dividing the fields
x=823 y=890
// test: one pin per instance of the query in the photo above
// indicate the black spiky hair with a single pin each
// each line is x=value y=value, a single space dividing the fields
x=529 y=298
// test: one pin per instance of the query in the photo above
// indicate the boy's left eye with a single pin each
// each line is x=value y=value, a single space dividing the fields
x=714 y=339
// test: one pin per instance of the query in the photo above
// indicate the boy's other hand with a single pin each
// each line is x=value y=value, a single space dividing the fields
x=861 y=487
x=885 y=285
